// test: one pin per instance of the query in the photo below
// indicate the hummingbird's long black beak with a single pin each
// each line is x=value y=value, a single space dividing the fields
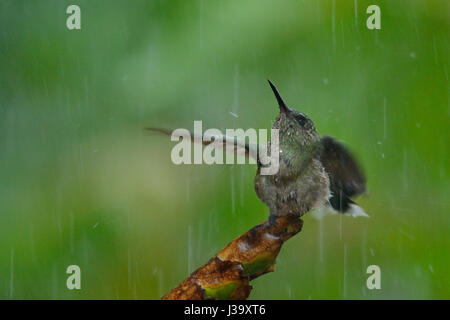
x=283 y=107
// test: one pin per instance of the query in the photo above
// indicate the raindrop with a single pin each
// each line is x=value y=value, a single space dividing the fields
x=234 y=114
x=190 y=262
x=11 y=275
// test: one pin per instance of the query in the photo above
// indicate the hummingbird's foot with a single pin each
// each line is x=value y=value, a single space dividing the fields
x=272 y=219
x=283 y=227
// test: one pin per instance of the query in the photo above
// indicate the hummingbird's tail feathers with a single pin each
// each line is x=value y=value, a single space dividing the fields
x=347 y=179
x=226 y=143
x=343 y=204
x=356 y=211
x=324 y=210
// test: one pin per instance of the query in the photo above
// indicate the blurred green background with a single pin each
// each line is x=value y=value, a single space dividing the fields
x=82 y=183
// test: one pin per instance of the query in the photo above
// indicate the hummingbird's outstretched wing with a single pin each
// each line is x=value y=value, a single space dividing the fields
x=346 y=177
x=226 y=143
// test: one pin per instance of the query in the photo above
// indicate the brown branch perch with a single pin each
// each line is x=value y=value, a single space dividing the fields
x=228 y=273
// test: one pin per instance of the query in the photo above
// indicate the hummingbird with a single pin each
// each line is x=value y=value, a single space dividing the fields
x=315 y=172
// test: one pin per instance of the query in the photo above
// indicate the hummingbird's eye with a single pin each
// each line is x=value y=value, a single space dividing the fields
x=300 y=119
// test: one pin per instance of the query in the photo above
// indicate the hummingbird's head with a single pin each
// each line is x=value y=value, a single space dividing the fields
x=294 y=126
